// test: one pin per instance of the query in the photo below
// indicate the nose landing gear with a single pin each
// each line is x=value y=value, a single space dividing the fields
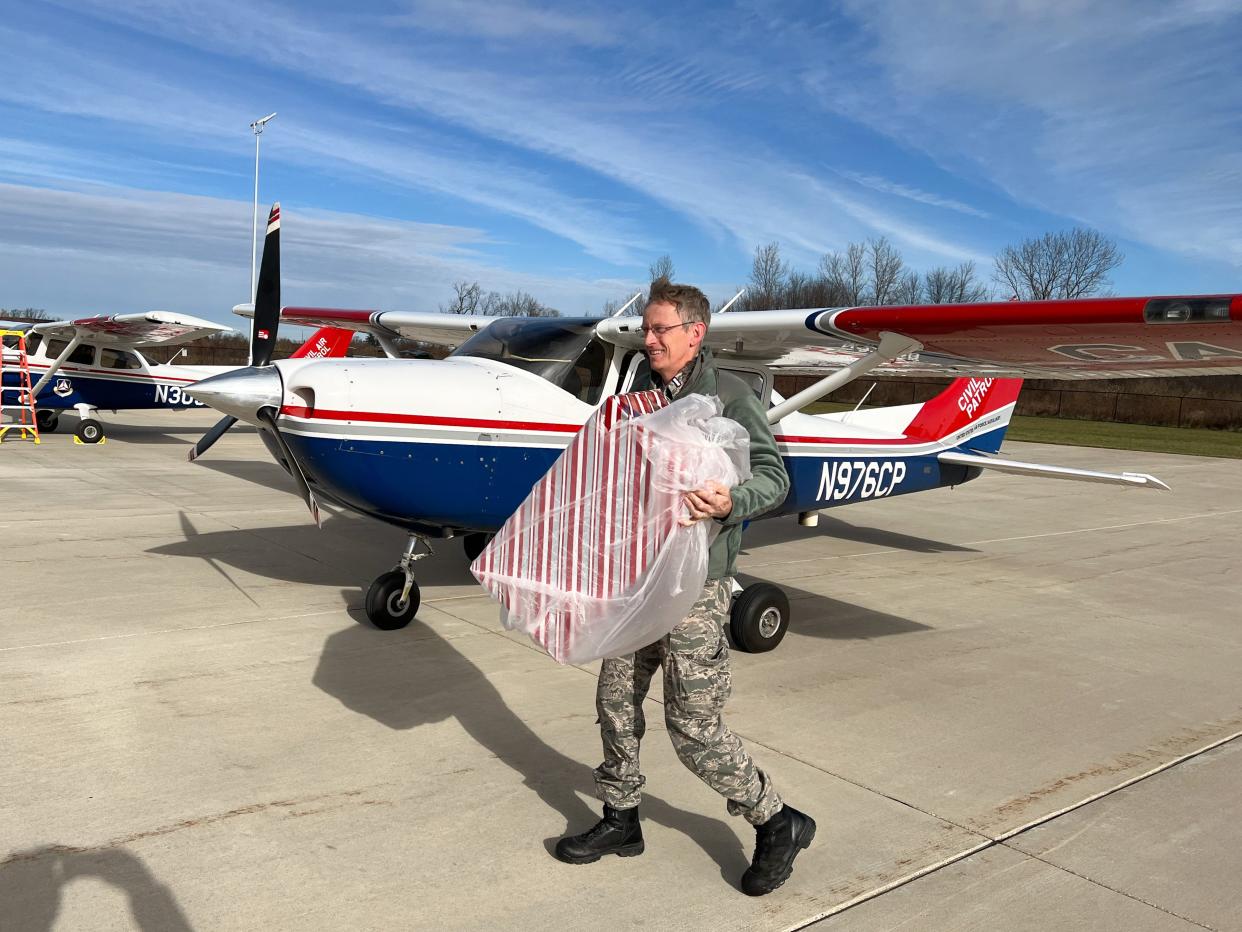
x=393 y=598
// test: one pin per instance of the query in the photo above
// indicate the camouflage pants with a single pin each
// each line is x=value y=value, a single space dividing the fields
x=697 y=683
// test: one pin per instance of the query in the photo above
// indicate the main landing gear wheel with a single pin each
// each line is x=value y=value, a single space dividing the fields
x=473 y=545
x=759 y=618
x=47 y=420
x=89 y=430
x=384 y=608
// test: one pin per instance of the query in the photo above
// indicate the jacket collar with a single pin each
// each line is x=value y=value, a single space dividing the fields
x=698 y=377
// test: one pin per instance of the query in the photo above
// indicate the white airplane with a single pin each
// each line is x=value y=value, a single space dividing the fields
x=95 y=363
x=446 y=448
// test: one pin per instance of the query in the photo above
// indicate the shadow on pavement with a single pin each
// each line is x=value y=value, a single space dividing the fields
x=32 y=884
x=404 y=679
x=783 y=529
x=819 y=616
x=265 y=473
x=161 y=434
x=346 y=552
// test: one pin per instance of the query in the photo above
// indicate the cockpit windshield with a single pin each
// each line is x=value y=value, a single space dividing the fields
x=559 y=350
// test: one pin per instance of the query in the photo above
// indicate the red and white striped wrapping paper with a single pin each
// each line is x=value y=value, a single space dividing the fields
x=584 y=566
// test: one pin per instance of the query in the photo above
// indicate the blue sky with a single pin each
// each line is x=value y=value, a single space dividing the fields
x=561 y=148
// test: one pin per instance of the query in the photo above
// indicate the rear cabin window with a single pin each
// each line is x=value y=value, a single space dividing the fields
x=84 y=355
x=118 y=359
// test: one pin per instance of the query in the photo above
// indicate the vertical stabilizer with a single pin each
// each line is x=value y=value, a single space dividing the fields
x=972 y=412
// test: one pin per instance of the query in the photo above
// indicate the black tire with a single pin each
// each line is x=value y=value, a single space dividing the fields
x=759 y=618
x=47 y=419
x=89 y=430
x=382 y=598
x=473 y=545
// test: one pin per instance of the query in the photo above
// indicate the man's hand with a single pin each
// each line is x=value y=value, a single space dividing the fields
x=714 y=501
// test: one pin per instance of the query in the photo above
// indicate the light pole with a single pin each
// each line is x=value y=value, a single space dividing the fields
x=257 y=127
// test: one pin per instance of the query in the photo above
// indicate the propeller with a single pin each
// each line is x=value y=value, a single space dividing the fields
x=263 y=328
x=204 y=442
x=255 y=392
x=295 y=468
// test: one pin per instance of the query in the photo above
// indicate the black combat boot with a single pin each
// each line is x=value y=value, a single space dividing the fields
x=618 y=832
x=777 y=843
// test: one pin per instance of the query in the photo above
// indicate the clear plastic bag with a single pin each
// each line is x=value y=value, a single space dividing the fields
x=594 y=563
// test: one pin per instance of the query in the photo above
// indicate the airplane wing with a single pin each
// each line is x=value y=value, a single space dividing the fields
x=445 y=329
x=1069 y=339
x=137 y=330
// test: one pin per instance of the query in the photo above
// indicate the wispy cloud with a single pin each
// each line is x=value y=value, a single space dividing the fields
x=512 y=20
x=107 y=249
x=58 y=80
x=689 y=165
x=876 y=183
x=1122 y=115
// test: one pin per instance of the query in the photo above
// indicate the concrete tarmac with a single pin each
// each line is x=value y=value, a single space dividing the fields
x=1011 y=705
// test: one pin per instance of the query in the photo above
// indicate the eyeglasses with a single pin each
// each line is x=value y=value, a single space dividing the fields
x=660 y=331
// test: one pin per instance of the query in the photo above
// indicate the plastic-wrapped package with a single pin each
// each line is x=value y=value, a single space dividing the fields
x=594 y=563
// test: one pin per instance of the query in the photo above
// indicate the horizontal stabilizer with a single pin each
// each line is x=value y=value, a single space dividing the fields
x=1052 y=472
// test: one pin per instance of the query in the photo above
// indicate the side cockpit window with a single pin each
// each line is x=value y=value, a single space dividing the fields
x=84 y=355
x=561 y=351
x=118 y=359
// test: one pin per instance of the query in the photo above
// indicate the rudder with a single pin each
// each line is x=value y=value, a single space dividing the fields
x=977 y=409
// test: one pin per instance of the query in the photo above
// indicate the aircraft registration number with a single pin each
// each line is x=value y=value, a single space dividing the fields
x=842 y=479
x=173 y=395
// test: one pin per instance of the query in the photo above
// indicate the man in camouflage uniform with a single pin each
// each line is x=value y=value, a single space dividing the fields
x=694 y=655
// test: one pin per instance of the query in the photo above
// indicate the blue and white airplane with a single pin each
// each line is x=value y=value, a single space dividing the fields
x=445 y=448
x=95 y=363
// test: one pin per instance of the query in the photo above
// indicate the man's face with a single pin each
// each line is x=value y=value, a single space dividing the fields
x=671 y=350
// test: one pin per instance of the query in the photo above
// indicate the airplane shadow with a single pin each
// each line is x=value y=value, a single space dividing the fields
x=347 y=552
x=404 y=679
x=819 y=616
x=157 y=435
x=782 y=530
x=32 y=884
x=265 y=473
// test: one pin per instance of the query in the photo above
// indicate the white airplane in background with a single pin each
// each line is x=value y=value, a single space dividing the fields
x=95 y=363
x=445 y=448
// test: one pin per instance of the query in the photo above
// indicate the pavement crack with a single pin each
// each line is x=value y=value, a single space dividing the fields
x=1104 y=886
x=1001 y=840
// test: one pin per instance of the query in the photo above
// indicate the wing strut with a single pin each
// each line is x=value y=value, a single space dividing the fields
x=891 y=346
x=55 y=366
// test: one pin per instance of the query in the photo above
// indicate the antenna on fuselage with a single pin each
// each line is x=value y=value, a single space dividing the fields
x=626 y=306
x=730 y=302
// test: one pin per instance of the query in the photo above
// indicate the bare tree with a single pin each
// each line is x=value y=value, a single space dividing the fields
x=954 y=286
x=886 y=266
x=32 y=314
x=909 y=289
x=519 y=304
x=768 y=275
x=466 y=298
x=662 y=268
x=1069 y=264
x=470 y=298
x=845 y=274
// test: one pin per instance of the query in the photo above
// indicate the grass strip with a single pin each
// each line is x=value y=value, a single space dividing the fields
x=1190 y=441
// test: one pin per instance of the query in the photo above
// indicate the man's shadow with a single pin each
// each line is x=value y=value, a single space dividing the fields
x=404 y=679
x=32 y=883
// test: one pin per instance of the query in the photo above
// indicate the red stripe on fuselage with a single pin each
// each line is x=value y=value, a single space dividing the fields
x=387 y=418
x=124 y=374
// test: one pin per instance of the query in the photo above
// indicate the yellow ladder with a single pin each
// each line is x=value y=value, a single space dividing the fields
x=19 y=415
